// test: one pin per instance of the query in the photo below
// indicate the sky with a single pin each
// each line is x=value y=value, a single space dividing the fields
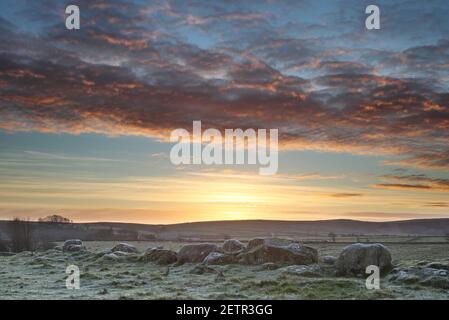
x=86 y=115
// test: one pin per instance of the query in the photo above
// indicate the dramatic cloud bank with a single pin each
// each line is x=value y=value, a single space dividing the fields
x=136 y=68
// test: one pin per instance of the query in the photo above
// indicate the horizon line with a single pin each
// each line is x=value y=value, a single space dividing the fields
x=235 y=221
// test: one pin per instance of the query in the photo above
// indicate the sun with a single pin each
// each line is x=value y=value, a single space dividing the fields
x=234 y=215
x=232 y=197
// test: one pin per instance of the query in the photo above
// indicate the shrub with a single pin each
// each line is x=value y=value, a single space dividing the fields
x=55 y=219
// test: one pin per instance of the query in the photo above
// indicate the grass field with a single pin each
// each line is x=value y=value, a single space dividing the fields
x=42 y=276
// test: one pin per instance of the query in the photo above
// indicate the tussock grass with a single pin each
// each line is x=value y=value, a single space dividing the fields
x=42 y=275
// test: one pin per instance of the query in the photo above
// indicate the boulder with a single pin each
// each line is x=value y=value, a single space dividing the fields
x=330 y=260
x=233 y=246
x=313 y=270
x=196 y=252
x=160 y=256
x=430 y=277
x=73 y=245
x=354 y=259
x=73 y=242
x=272 y=241
x=269 y=266
x=74 y=248
x=217 y=258
x=125 y=247
x=255 y=243
x=405 y=277
x=438 y=265
x=436 y=281
x=110 y=257
x=119 y=256
x=280 y=251
x=122 y=254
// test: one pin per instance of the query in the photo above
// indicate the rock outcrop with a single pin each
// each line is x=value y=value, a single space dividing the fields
x=160 y=256
x=330 y=260
x=233 y=246
x=196 y=252
x=280 y=251
x=125 y=247
x=217 y=258
x=434 y=275
x=73 y=245
x=354 y=259
x=313 y=270
x=119 y=256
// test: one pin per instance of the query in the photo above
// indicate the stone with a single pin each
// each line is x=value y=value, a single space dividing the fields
x=110 y=257
x=255 y=243
x=269 y=266
x=196 y=252
x=276 y=251
x=313 y=270
x=73 y=245
x=233 y=246
x=330 y=260
x=125 y=247
x=354 y=259
x=430 y=277
x=160 y=256
x=217 y=258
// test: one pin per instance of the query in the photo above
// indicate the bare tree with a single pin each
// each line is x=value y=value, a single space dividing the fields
x=21 y=233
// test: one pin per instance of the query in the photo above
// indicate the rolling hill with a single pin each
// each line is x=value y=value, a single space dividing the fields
x=217 y=230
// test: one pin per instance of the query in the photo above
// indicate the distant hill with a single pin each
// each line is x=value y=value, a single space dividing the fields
x=243 y=229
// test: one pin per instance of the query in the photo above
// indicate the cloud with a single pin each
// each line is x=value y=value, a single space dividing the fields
x=133 y=70
x=401 y=186
x=435 y=204
x=345 y=195
x=311 y=176
x=414 y=182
